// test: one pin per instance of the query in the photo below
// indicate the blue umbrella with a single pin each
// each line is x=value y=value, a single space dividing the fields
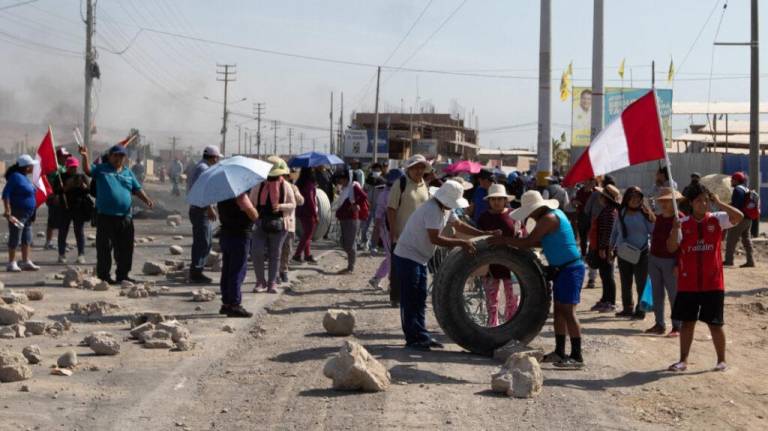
x=227 y=179
x=314 y=158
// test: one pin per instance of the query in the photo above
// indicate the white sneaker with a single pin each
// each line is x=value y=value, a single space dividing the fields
x=81 y=260
x=29 y=266
x=62 y=259
x=12 y=267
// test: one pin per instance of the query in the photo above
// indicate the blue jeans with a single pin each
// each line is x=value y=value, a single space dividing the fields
x=266 y=245
x=202 y=237
x=412 y=279
x=23 y=235
x=234 y=265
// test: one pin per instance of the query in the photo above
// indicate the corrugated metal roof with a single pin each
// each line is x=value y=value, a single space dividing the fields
x=687 y=108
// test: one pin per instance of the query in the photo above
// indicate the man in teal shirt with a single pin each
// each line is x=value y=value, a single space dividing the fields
x=115 y=186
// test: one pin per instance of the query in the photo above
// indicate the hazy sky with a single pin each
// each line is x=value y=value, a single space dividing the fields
x=158 y=84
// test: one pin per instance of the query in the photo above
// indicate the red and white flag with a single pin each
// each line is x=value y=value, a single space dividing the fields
x=47 y=163
x=633 y=138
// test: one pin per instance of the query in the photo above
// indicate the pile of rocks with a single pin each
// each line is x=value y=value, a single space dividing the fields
x=166 y=334
x=355 y=369
x=168 y=266
x=9 y=296
x=11 y=314
x=520 y=377
x=93 y=309
x=142 y=290
x=79 y=278
x=203 y=295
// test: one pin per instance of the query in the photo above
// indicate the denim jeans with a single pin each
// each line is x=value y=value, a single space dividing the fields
x=349 y=230
x=662 y=273
x=234 y=265
x=266 y=245
x=18 y=236
x=412 y=277
x=201 y=237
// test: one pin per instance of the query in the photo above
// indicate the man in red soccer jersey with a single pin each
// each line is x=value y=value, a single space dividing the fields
x=701 y=290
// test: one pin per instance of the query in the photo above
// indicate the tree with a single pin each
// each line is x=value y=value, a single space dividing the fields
x=560 y=155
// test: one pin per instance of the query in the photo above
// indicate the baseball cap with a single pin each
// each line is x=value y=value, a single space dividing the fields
x=117 y=149
x=25 y=160
x=72 y=162
x=211 y=151
x=61 y=151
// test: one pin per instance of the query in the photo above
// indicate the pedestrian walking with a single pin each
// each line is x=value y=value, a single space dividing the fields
x=553 y=232
x=418 y=241
x=115 y=187
x=290 y=227
x=405 y=196
x=630 y=239
x=307 y=215
x=201 y=219
x=237 y=216
x=393 y=176
x=741 y=199
x=600 y=252
x=19 y=206
x=274 y=201
x=497 y=217
x=76 y=208
x=662 y=265
x=701 y=287
x=351 y=207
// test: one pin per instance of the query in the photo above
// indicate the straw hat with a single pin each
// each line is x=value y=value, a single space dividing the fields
x=464 y=183
x=667 y=194
x=530 y=202
x=498 y=191
x=417 y=159
x=610 y=192
x=279 y=167
x=451 y=194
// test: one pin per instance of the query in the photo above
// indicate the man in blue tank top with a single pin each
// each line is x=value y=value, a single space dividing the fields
x=553 y=232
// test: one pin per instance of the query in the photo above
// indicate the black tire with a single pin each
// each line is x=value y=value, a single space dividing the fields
x=448 y=298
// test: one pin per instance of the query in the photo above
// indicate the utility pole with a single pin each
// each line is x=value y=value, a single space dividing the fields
x=301 y=142
x=245 y=143
x=376 y=118
x=544 y=164
x=330 y=146
x=258 y=109
x=275 y=126
x=239 y=136
x=340 y=140
x=290 y=143
x=173 y=147
x=597 y=69
x=227 y=75
x=91 y=70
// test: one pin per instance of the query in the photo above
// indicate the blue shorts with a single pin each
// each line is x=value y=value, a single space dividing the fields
x=566 y=289
x=23 y=235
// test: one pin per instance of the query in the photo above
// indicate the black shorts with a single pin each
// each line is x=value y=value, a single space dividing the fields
x=706 y=307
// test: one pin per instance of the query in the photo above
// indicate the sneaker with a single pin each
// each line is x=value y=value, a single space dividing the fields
x=237 y=311
x=674 y=333
x=345 y=271
x=727 y=263
x=721 y=366
x=284 y=277
x=12 y=267
x=638 y=315
x=436 y=344
x=310 y=259
x=28 y=265
x=126 y=278
x=747 y=265
x=297 y=259
x=81 y=260
x=49 y=246
x=552 y=357
x=260 y=287
x=224 y=309
x=61 y=259
x=272 y=288
x=607 y=308
x=656 y=330
x=199 y=277
x=591 y=284
x=598 y=306
x=422 y=346
x=569 y=362
x=625 y=313
x=374 y=283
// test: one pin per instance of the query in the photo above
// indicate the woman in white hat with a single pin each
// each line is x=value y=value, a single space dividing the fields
x=497 y=217
x=553 y=232
x=421 y=235
x=19 y=206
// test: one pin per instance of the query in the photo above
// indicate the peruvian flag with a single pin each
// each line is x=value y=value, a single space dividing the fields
x=633 y=138
x=47 y=163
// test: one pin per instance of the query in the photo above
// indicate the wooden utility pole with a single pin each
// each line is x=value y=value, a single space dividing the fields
x=90 y=68
x=376 y=118
x=173 y=147
x=258 y=109
x=330 y=146
x=227 y=75
x=301 y=142
x=239 y=137
x=340 y=140
x=275 y=126
x=290 y=142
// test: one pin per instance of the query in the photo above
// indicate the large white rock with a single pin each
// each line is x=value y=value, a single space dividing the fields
x=203 y=295
x=355 y=369
x=9 y=296
x=339 y=322
x=67 y=360
x=13 y=367
x=103 y=343
x=72 y=277
x=175 y=328
x=152 y=268
x=14 y=313
x=175 y=250
x=520 y=377
x=175 y=218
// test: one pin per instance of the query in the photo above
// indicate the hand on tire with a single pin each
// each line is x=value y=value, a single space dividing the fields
x=469 y=247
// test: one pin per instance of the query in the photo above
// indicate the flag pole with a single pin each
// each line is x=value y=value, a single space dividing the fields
x=666 y=155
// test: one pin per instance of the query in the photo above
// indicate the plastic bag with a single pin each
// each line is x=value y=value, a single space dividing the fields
x=646 y=301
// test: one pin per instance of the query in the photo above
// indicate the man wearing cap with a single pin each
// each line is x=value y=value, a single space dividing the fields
x=420 y=236
x=741 y=231
x=553 y=232
x=405 y=196
x=485 y=179
x=55 y=208
x=115 y=185
x=201 y=219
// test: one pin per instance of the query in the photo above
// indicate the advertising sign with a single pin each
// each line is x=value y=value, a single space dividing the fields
x=359 y=143
x=425 y=147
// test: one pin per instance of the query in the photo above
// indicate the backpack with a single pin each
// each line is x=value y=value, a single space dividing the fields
x=751 y=204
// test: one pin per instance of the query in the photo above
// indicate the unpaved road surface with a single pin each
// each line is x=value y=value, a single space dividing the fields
x=268 y=373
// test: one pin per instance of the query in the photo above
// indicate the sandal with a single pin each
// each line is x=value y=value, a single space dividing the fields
x=552 y=357
x=678 y=367
x=721 y=366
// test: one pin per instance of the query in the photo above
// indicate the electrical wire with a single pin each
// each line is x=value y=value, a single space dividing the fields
x=698 y=36
x=11 y=6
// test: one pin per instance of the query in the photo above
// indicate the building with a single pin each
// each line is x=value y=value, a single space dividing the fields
x=439 y=137
x=519 y=159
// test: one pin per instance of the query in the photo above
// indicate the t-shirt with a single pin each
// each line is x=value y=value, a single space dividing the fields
x=414 y=243
x=699 y=258
x=479 y=203
x=661 y=229
x=114 y=189
x=20 y=192
x=406 y=203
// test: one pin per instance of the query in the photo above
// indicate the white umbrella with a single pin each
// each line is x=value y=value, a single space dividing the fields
x=227 y=179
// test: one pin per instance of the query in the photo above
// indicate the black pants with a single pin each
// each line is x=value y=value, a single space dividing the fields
x=629 y=272
x=584 y=223
x=605 y=268
x=114 y=234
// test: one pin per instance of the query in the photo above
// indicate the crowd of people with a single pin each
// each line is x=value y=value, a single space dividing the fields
x=405 y=213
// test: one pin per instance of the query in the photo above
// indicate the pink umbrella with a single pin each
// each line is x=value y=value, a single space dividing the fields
x=463 y=166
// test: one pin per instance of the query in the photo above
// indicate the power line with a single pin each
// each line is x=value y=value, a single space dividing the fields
x=408 y=33
x=698 y=36
x=17 y=4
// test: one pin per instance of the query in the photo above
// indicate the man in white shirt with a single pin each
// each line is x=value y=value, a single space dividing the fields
x=417 y=243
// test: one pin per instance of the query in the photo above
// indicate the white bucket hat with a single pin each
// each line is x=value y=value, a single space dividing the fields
x=451 y=194
x=417 y=159
x=25 y=160
x=498 y=191
x=530 y=202
x=211 y=151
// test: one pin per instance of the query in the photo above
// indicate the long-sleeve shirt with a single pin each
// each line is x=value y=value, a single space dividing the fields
x=309 y=208
x=605 y=222
x=639 y=231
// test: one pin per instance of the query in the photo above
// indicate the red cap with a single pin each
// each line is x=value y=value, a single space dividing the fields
x=72 y=162
x=739 y=176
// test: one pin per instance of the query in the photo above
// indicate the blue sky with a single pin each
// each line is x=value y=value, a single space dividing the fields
x=159 y=83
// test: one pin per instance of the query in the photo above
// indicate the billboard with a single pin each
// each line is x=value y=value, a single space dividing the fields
x=614 y=102
x=359 y=143
x=425 y=147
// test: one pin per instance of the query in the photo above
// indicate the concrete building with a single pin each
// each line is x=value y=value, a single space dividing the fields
x=438 y=137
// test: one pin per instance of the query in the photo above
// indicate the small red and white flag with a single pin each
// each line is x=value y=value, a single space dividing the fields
x=47 y=163
x=633 y=138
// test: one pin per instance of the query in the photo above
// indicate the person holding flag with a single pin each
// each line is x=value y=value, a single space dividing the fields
x=56 y=207
x=19 y=205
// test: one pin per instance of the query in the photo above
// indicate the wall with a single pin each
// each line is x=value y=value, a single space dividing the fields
x=740 y=162
x=683 y=164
